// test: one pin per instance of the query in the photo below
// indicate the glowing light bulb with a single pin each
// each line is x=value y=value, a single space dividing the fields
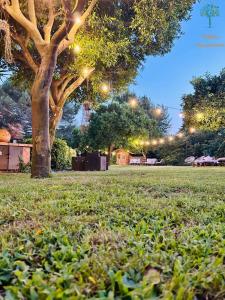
x=105 y=88
x=171 y=138
x=77 y=49
x=141 y=143
x=192 y=130
x=199 y=116
x=154 y=142
x=77 y=19
x=133 y=102
x=161 y=141
x=180 y=135
x=85 y=72
x=181 y=115
x=147 y=143
x=158 y=112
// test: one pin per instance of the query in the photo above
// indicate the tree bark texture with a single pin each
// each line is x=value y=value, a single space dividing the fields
x=41 y=154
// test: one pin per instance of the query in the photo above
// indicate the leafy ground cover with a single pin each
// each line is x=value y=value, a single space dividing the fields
x=130 y=233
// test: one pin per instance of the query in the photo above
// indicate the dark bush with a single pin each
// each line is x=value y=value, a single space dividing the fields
x=24 y=168
x=61 y=155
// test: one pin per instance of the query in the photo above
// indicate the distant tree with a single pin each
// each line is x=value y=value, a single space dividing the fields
x=113 y=124
x=79 y=139
x=161 y=119
x=15 y=111
x=202 y=143
x=210 y=11
x=204 y=109
x=68 y=121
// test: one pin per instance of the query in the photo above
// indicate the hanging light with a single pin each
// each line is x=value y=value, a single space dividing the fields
x=158 y=112
x=199 y=116
x=154 y=142
x=161 y=141
x=192 y=130
x=180 y=135
x=85 y=71
x=77 y=19
x=133 y=102
x=105 y=88
x=181 y=115
x=171 y=138
x=77 y=49
x=147 y=143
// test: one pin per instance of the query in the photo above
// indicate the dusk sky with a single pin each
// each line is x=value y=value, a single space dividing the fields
x=166 y=79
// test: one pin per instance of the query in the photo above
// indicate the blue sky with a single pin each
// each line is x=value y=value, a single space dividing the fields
x=165 y=79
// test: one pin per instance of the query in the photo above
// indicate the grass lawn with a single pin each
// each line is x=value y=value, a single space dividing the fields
x=130 y=233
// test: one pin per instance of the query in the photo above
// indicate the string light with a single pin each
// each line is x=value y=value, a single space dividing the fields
x=85 y=72
x=154 y=142
x=181 y=115
x=161 y=141
x=192 y=130
x=133 y=102
x=147 y=143
x=105 y=88
x=77 y=49
x=180 y=135
x=171 y=138
x=199 y=116
x=158 y=112
x=77 y=19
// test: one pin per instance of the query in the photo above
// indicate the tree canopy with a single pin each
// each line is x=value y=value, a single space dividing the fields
x=15 y=111
x=113 y=124
x=118 y=124
x=114 y=38
x=204 y=109
x=158 y=114
x=201 y=143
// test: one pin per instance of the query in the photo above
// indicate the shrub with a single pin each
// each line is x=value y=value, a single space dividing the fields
x=24 y=168
x=61 y=155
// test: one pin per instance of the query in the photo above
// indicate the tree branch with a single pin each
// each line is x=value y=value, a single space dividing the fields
x=58 y=87
x=72 y=88
x=70 y=37
x=51 y=19
x=52 y=103
x=60 y=81
x=15 y=12
x=31 y=12
x=29 y=59
x=63 y=30
x=64 y=84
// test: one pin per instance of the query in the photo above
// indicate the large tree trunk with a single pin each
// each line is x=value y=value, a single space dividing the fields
x=110 y=150
x=41 y=154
